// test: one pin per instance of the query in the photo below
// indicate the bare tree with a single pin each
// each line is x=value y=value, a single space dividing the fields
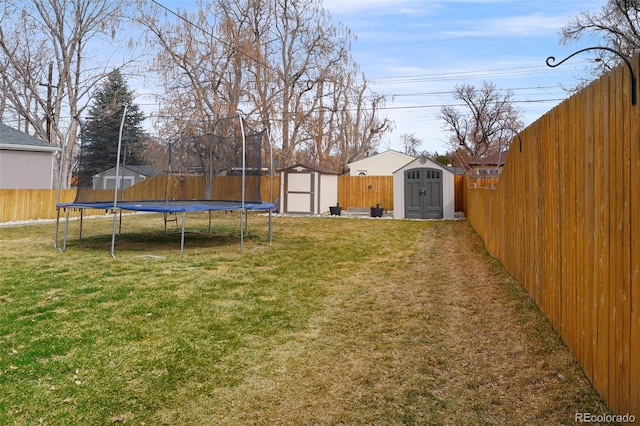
x=410 y=144
x=346 y=123
x=302 y=47
x=282 y=62
x=203 y=83
x=189 y=61
x=617 y=23
x=363 y=128
x=486 y=125
x=43 y=49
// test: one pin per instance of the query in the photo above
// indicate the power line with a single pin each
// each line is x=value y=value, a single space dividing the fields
x=526 y=101
x=449 y=92
x=459 y=75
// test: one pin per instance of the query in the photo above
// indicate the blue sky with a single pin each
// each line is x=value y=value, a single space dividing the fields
x=417 y=51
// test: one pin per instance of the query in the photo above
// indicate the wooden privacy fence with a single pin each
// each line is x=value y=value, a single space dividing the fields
x=365 y=191
x=33 y=204
x=564 y=220
x=353 y=191
x=186 y=188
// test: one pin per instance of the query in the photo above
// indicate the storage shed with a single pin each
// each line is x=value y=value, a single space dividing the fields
x=423 y=189
x=129 y=176
x=307 y=189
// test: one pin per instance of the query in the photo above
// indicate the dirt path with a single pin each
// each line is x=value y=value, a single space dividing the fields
x=448 y=338
x=503 y=361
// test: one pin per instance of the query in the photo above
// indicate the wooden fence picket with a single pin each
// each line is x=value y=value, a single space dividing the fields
x=565 y=221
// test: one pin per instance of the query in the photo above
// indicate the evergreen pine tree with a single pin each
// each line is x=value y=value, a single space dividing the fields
x=100 y=133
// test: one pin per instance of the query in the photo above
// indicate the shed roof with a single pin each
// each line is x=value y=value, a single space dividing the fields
x=314 y=168
x=495 y=159
x=144 y=169
x=423 y=161
x=13 y=139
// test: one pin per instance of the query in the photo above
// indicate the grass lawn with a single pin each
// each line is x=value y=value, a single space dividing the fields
x=341 y=321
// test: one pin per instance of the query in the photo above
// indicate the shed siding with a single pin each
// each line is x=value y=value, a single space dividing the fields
x=302 y=182
x=328 y=192
x=107 y=179
x=26 y=170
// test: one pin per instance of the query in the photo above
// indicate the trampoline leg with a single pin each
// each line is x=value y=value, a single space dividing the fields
x=81 y=215
x=270 y=229
x=209 y=221
x=66 y=230
x=182 y=236
x=113 y=233
x=241 y=233
x=55 y=237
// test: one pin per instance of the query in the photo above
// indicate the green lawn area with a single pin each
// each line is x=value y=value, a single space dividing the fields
x=340 y=321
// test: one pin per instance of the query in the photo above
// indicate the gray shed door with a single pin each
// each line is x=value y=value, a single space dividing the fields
x=423 y=194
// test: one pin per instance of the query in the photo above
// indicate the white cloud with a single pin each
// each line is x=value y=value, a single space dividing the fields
x=400 y=7
x=536 y=24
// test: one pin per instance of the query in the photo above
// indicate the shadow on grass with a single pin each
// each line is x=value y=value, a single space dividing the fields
x=160 y=240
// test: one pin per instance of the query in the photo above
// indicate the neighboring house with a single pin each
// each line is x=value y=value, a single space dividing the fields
x=491 y=165
x=129 y=176
x=26 y=162
x=383 y=164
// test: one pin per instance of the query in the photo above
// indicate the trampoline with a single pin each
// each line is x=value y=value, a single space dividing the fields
x=225 y=153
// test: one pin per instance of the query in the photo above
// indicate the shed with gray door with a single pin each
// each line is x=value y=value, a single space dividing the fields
x=307 y=189
x=423 y=189
x=129 y=176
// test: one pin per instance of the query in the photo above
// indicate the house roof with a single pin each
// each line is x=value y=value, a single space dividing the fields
x=491 y=160
x=389 y=152
x=12 y=139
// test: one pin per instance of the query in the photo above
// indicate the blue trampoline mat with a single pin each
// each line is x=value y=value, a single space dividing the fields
x=171 y=206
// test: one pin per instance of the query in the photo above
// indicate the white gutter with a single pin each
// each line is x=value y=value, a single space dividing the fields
x=34 y=148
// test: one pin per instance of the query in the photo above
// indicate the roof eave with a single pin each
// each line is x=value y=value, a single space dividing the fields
x=33 y=148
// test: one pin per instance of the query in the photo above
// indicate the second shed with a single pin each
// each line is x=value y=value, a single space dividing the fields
x=308 y=189
x=423 y=189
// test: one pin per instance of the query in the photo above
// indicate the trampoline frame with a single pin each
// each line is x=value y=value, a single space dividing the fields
x=176 y=207
x=165 y=206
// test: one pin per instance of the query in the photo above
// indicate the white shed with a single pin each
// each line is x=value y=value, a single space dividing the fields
x=423 y=189
x=129 y=176
x=307 y=189
x=382 y=164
